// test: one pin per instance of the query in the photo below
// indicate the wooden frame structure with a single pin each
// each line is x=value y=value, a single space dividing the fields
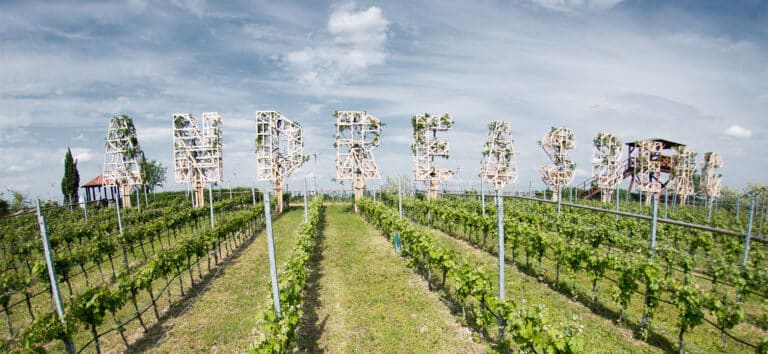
x=197 y=152
x=556 y=143
x=279 y=149
x=607 y=169
x=357 y=133
x=426 y=147
x=682 y=173
x=122 y=154
x=650 y=163
x=710 y=181
x=648 y=168
x=499 y=163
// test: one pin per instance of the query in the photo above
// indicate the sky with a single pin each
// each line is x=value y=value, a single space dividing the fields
x=690 y=71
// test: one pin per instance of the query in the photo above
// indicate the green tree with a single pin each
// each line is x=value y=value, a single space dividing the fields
x=696 y=182
x=152 y=173
x=4 y=207
x=70 y=184
x=729 y=196
x=19 y=201
x=728 y=193
x=759 y=191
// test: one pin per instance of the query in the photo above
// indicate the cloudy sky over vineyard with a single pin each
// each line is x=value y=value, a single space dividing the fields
x=694 y=72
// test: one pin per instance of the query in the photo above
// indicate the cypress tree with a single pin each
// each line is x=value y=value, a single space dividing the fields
x=71 y=181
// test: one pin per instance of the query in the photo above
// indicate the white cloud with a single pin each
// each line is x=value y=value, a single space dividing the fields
x=83 y=154
x=22 y=161
x=366 y=28
x=535 y=66
x=358 y=42
x=738 y=131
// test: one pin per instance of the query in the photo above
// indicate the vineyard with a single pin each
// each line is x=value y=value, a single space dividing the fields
x=693 y=290
x=169 y=278
x=382 y=270
x=526 y=176
x=116 y=274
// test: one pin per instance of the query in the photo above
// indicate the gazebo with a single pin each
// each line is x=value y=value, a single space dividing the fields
x=96 y=191
x=666 y=157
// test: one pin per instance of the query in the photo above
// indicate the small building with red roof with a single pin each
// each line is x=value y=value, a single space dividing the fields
x=95 y=190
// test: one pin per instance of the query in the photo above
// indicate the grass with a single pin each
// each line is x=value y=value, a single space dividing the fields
x=222 y=317
x=363 y=298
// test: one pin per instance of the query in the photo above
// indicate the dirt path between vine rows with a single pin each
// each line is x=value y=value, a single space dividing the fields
x=362 y=297
x=222 y=318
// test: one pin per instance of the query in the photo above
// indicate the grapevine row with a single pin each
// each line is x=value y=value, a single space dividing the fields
x=99 y=247
x=89 y=308
x=279 y=332
x=577 y=249
x=470 y=288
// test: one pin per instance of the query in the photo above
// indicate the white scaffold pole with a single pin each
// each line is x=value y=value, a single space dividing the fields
x=271 y=250
x=52 y=275
x=306 y=206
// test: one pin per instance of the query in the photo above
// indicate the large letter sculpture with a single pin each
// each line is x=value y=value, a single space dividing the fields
x=556 y=143
x=197 y=152
x=279 y=148
x=426 y=147
x=357 y=133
